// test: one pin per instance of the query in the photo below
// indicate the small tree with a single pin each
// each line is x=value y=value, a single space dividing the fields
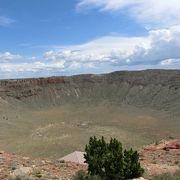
x=109 y=161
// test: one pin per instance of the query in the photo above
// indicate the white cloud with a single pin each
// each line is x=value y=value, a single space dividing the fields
x=7 y=56
x=99 y=50
x=160 y=48
x=106 y=4
x=30 y=67
x=6 y=21
x=162 y=13
x=170 y=61
x=165 y=44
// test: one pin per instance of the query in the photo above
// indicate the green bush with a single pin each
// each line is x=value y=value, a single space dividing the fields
x=110 y=161
x=80 y=175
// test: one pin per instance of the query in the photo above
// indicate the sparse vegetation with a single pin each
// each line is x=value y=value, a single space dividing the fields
x=110 y=161
x=167 y=176
x=52 y=117
x=68 y=110
x=80 y=175
x=171 y=137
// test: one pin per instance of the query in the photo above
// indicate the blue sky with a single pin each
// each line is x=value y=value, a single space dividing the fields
x=56 y=37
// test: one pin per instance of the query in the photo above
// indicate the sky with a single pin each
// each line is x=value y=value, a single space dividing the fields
x=40 y=38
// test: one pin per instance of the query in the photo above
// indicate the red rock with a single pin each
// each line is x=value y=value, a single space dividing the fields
x=2 y=152
x=172 y=145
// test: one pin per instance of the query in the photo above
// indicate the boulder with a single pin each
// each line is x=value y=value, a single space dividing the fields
x=21 y=172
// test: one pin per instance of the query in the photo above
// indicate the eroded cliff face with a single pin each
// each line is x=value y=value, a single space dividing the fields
x=157 y=89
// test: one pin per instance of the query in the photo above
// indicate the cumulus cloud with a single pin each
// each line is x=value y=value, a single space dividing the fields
x=30 y=67
x=100 y=50
x=160 y=48
x=7 y=56
x=152 y=12
x=170 y=61
x=6 y=21
x=164 y=44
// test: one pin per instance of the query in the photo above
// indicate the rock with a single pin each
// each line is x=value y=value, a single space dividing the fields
x=26 y=158
x=60 y=161
x=14 y=165
x=48 y=161
x=2 y=152
x=43 y=162
x=84 y=125
x=1 y=159
x=172 y=145
x=22 y=171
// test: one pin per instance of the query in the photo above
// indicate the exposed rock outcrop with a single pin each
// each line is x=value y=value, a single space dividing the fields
x=161 y=157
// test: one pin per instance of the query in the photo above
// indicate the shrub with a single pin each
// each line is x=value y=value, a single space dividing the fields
x=80 y=175
x=109 y=161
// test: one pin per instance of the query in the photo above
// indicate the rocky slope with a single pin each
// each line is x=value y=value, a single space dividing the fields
x=158 y=89
x=161 y=157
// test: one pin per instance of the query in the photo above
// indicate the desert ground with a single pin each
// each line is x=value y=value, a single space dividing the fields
x=55 y=132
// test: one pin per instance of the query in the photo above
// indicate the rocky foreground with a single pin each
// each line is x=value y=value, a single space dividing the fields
x=18 y=167
x=159 y=158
